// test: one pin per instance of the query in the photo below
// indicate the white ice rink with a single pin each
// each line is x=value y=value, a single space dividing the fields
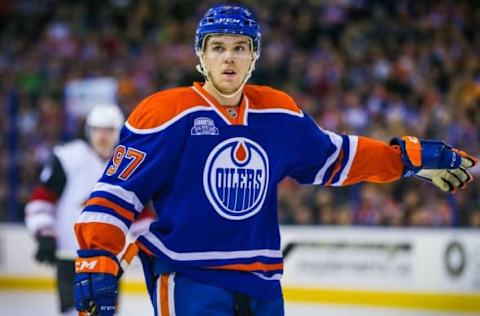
x=19 y=303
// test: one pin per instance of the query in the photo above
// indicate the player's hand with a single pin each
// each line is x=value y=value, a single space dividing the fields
x=96 y=283
x=46 y=246
x=447 y=180
x=436 y=162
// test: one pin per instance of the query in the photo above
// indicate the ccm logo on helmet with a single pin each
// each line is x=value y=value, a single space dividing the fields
x=228 y=20
x=235 y=178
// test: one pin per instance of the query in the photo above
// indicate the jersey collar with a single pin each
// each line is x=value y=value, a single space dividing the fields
x=223 y=111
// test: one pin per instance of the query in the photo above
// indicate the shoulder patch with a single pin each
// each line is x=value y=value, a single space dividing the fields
x=161 y=109
x=267 y=99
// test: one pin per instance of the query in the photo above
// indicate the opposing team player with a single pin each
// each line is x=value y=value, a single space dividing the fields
x=65 y=185
x=210 y=156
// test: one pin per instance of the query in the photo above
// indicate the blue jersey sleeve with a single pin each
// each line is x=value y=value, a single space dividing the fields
x=140 y=168
x=317 y=156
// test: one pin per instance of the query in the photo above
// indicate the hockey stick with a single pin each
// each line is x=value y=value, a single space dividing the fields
x=128 y=255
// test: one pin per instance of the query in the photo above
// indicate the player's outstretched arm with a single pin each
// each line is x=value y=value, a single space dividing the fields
x=435 y=161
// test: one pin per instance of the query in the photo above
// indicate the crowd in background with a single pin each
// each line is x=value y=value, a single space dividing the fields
x=373 y=68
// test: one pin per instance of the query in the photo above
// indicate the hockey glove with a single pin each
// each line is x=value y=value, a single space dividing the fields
x=435 y=161
x=46 y=246
x=96 y=282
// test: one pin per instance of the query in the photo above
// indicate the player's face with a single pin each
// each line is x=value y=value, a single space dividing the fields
x=103 y=140
x=227 y=59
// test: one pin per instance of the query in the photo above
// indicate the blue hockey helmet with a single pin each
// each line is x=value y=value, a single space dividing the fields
x=228 y=19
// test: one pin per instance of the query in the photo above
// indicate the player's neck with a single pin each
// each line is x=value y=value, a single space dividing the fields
x=222 y=100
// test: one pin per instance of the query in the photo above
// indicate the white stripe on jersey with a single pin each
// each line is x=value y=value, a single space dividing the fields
x=276 y=276
x=39 y=215
x=352 y=151
x=210 y=255
x=337 y=141
x=128 y=196
x=167 y=123
x=39 y=206
x=94 y=217
x=245 y=112
x=282 y=111
x=171 y=294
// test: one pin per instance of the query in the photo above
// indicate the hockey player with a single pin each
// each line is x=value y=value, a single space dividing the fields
x=210 y=156
x=65 y=185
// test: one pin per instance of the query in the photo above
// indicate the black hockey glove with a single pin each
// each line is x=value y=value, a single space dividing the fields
x=46 y=249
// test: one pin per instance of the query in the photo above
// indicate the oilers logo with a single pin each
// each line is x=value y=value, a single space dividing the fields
x=235 y=178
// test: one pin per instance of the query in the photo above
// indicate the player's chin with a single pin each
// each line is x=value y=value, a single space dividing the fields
x=229 y=87
x=229 y=90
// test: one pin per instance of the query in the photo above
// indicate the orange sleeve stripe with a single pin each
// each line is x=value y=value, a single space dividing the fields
x=162 y=107
x=100 y=236
x=147 y=212
x=375 y=161
x=414 y=150
x=255 y=266
x=130 y=253
x=143 y=248
x=336 y=168
x=100 y=201
x=98 y=264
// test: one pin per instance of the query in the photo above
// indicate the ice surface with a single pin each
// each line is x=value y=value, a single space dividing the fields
x=20 y=303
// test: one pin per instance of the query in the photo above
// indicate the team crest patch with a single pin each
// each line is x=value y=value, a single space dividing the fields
x=235 y=178
x=204 y=126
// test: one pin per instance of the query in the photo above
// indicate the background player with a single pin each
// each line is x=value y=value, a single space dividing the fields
x=65 y=184
x=226 y=145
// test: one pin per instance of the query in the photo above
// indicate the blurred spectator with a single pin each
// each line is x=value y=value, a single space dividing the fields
x=378 y=68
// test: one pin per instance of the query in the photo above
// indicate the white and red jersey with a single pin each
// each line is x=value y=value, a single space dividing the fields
x=56 y=203
x=65 y=185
